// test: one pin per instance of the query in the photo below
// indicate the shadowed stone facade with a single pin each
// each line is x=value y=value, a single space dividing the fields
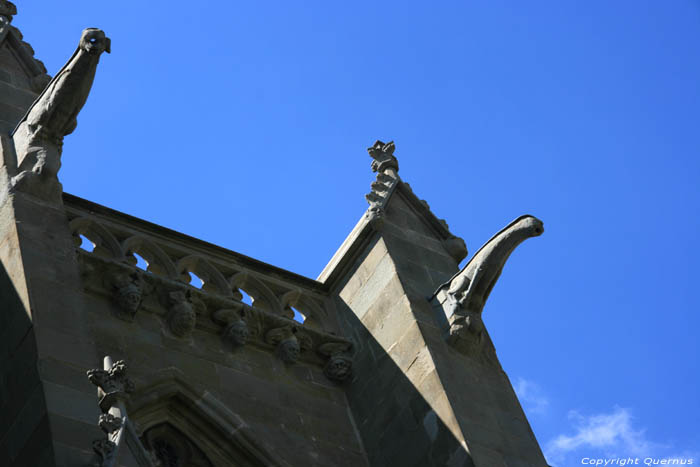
x=110 y=356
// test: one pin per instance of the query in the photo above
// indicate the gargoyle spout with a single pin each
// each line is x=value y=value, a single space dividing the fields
x=54 y=113
x=38 y=137
x=469 y=289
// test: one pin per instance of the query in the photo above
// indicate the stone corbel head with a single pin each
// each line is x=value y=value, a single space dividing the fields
x=236 y=331
x=183 y=315
x=375 y=216
x=127 y=294
x=339 y=365
x=290 y=342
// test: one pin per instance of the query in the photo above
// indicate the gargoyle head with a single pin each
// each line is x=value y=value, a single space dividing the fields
x=94 y=42
x=534 y=225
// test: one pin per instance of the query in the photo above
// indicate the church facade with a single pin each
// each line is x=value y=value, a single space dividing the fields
x=112 y=356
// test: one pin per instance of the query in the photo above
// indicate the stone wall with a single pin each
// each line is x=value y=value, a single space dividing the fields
x=291 y=411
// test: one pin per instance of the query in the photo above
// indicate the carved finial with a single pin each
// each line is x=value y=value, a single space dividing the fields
x=109 y=423
x=7 y=9
x=383 y=155
x=104 y=448
x=386 y=166
x=112 y=380
x=113 y=383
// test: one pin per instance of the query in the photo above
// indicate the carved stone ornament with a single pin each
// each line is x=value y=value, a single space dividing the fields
x=375 y=216
x=383 y=155
x=104 y=448
x=127 y=295
x=338 y=368
x=109 y=423
x=38 y=137
x=289 y=349
x=129 y=298
x=237 y=333
x=182 y=318
x=383 y=185
x=113 y=381
x=290 y=342
x=339 y=365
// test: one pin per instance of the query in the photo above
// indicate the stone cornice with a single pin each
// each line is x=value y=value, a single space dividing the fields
x=79 y=205
x=212 y=313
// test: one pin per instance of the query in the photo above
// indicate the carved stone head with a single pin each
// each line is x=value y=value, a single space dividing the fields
x=128 y=297
x=289 y=350
x=237 y=333
x=338 y=368
x=94 y=41
x=182 y=315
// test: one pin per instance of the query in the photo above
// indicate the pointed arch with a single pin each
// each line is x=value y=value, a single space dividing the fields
x=106 y=245
x=262 y=296
x=213 y=280
x=168 y=398
x=158 y=261
x=314 y=314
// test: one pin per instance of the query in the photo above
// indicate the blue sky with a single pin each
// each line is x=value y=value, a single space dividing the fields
x=245 y=124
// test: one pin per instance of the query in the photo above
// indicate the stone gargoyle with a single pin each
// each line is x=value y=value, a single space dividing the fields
x=38 y=137
x=462 y=298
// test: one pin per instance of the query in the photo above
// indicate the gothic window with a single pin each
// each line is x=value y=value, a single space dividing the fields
x=171 y=448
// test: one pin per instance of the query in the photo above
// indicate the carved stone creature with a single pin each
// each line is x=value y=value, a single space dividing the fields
x=113 y=383
x=112 y=380
x=54 y=114
x=464 y=296
x=39 y=135
x=383 y=155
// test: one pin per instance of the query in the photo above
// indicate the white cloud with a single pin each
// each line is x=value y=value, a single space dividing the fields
x=608 y=436
x=531 y=397
x=611 y=434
